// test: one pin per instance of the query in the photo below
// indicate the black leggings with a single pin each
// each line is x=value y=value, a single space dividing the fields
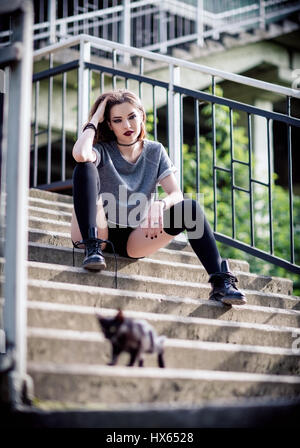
x=185 y=215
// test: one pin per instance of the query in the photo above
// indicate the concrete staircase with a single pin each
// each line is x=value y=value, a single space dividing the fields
x=237 y=39
x=212 y=353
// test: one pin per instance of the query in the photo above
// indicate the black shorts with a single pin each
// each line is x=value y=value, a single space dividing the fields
x=119 y=237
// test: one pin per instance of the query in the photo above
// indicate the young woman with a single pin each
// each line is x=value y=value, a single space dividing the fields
x=114 y=183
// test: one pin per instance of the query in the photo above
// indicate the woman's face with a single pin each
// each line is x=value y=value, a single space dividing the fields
x=125 y=122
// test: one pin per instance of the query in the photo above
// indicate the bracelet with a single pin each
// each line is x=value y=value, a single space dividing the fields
x=90 y=126
x=165 y=204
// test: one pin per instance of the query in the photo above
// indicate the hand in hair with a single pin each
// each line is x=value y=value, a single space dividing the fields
x=99 y=114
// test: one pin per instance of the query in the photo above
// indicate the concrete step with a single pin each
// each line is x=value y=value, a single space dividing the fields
x=64 y=255
x=131 y=278
x=236 y=412
x=52 y=225
x=79 y=383
x=50 y=204
x=83 y=318
x=50 y=196
x=77 y=347
x=170 y=269
x=45 y=213
x=65 y=293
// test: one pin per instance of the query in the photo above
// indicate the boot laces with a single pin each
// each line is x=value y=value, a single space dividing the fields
x=93 y=247
x=230 y=280
x=227 y=277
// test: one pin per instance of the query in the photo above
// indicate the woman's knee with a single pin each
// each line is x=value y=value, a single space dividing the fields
x=85 y=171
x=185 y=215
x=194 y=218
x=180 y=216
x=138 y=246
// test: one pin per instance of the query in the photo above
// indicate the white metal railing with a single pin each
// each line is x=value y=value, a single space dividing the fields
x=121 y=49
x=155 y=25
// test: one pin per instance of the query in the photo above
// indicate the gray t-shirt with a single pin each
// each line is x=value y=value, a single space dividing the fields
x=128 y=189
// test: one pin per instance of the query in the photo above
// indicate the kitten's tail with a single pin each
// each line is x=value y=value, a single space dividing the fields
x=160 y=349
x=160 y=342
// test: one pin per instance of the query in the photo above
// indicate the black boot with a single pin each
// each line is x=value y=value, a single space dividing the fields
x=223 y=287
x=94 y=259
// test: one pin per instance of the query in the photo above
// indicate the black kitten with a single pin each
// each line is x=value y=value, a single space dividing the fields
x=134 y=336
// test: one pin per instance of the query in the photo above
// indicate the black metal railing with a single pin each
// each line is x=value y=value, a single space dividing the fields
x=195 y=133
x=54 y=172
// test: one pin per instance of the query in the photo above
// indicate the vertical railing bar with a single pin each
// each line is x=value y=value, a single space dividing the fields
x=148 y=28
x=168 y=119
x=250 y=179
x=181 y=142
x=102 y=82
x=77 y=130
x=83 y=85
x=36 y=130
x=175 y=152
x=141 y=71
x=90 y=82
x=154 y=112
x=270 y=189
x=214 y=154
x=114 y=64
x=105 y=25
x=290 y=177
x=115 y=25
x=126 y=83
x=199 y=22
x=50 y=95
x=51 y=21
x=139 y=28
x=232 y=175
x=125 y=28
x=63 y=130
x=95 y=26
x=155 y=35
x=197 y=129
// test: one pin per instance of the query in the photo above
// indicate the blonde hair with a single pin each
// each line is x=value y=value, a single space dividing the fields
x=119 y=96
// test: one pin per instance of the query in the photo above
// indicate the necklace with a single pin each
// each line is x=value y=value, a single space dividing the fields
x=122 y=144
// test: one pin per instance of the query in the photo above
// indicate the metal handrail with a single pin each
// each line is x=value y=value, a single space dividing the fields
x=99 y=43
